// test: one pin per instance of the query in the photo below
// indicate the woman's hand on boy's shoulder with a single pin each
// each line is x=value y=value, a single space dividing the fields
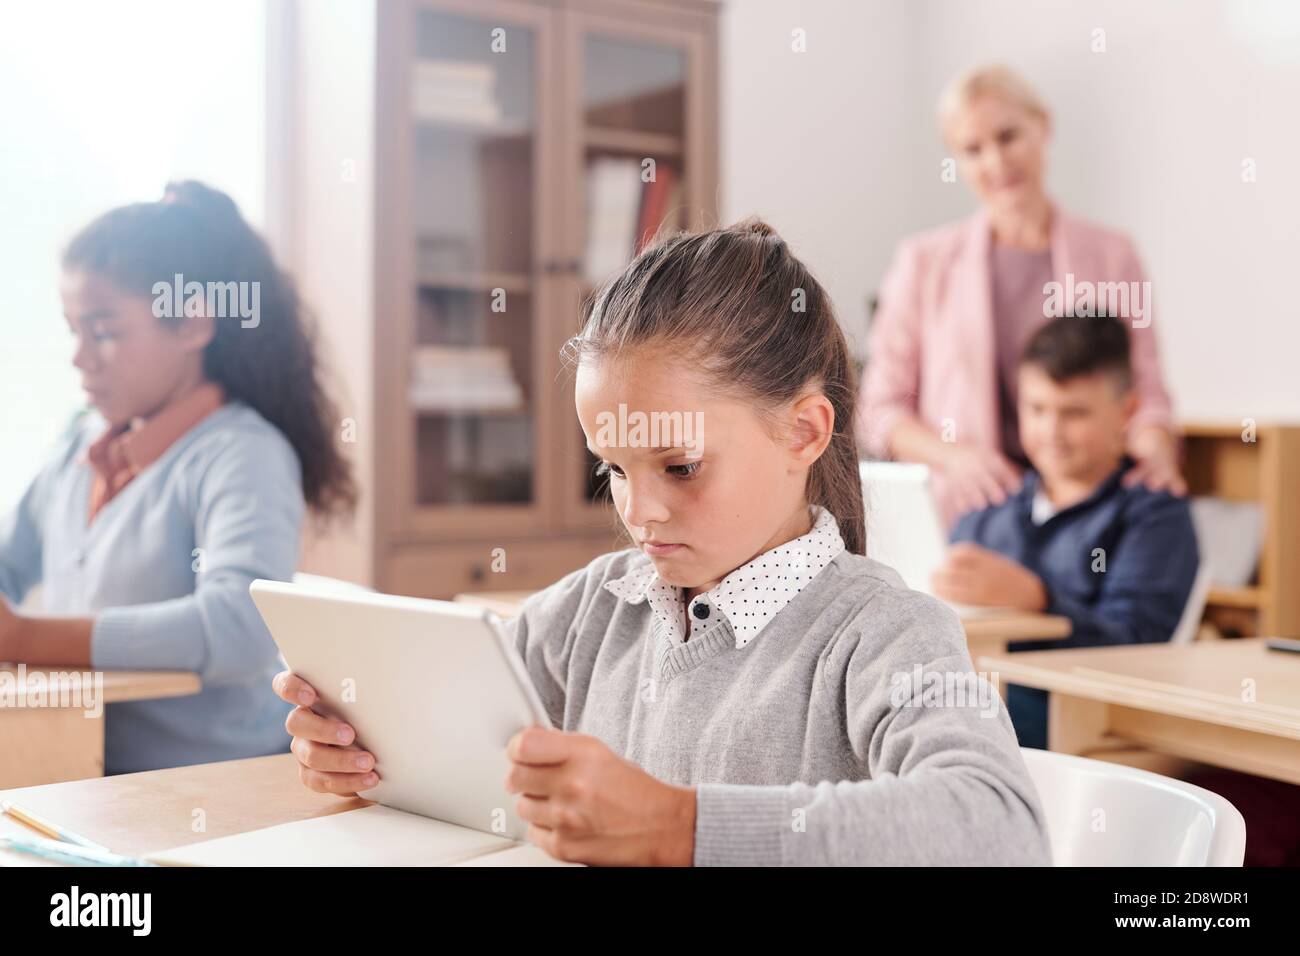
x=328 y=759
x=978 y=477
x=1155 y=452
x=586 y=804
x=971 y=574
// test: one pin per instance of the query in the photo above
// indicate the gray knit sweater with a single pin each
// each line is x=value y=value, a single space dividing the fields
x=850 y=730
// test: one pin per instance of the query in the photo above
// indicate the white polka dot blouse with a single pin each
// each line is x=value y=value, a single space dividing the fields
x=747 y=598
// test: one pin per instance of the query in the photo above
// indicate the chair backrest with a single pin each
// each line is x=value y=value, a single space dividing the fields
x=904 y=528
x=1107 y=814
x=1190 y=622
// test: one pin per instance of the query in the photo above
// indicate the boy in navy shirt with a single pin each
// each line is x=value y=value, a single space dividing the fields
x=1118 y=560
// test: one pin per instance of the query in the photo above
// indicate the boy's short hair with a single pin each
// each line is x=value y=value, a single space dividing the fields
x=1070 y=346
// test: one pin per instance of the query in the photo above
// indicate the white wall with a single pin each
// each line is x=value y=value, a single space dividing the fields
x=94 y=116
x=1150 y=138
x=808 y=139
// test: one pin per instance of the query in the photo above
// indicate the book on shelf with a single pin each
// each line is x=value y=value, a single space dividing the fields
x=463 y=378
x=438 y=359
x=613 y=205
x=660 y=200
x=624 y=213
x=455 y=91
x=445 y=398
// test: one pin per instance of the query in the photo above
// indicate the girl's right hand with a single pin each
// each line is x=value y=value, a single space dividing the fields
x=979 y=477
x=328 y=759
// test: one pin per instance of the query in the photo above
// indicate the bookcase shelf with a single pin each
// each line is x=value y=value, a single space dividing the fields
x=498 y=129
x=477 y=281
x=1259 y=464
x=490 y=117
x=633 y=142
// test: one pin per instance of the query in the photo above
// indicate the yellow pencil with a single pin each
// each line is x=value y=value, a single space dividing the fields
x=52 y=830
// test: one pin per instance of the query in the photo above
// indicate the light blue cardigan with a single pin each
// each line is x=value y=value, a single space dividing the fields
x=164 y=570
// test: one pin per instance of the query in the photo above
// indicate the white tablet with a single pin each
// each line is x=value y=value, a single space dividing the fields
x=433 y=689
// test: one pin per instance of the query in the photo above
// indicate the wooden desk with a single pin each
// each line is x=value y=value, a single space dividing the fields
x=48 y=744
x=991 y=632
x=986 y=632
x=1231 y=703
x=139 y=813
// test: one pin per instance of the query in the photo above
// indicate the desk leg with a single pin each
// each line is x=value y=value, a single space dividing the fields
x=49 y=745
x=1076 y=725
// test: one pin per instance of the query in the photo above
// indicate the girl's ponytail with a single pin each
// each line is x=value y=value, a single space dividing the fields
x=835 y=480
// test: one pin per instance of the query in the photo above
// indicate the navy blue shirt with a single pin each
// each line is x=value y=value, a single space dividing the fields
x=1144 y=541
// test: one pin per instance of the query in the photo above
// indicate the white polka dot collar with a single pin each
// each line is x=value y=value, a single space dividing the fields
x=749 y=597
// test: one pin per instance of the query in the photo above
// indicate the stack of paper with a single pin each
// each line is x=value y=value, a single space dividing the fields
x=371 y=836
x=463 y=378
x=455 y=91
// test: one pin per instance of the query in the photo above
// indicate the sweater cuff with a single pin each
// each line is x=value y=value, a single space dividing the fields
x=143 y=637
x=738 y=825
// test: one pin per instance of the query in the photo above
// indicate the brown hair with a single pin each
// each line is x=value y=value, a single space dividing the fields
x=198 y=232
x=760 y=326
x=1075 y=345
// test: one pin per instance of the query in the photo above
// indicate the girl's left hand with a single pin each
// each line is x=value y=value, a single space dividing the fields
x=1156 y=452
x=585 y=804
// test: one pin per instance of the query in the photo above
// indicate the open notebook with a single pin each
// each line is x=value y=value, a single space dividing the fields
x=372 y=836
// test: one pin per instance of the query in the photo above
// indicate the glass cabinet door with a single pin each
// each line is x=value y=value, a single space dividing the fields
x=639 y=169
x=634 y=132
x=470 y=381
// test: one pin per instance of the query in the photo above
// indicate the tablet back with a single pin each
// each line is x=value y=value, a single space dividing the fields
x=432 y=689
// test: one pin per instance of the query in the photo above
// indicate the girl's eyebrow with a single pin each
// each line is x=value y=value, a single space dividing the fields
x=660 y=451
x=94 y=315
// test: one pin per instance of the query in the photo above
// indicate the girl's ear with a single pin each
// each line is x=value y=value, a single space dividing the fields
x=812 y=422
x=195 y=332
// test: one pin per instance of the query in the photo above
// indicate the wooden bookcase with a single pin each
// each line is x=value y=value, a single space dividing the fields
x=1220 y=462
x=447 y=151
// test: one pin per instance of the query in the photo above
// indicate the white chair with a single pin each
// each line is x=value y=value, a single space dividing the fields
x=1104 y=814
x=1190 y=622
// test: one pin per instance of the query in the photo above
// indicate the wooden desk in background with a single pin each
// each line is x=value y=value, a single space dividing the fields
x=49 y=744
x=987 y=632
x=1231 y=703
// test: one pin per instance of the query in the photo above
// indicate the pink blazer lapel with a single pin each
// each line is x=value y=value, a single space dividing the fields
x=1065 y=254
x=976 y=352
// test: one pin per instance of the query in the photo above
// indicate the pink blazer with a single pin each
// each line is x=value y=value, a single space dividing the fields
x=931 y=352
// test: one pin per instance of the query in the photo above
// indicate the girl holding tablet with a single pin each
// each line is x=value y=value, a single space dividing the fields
x=209 y=434
x=743 y=686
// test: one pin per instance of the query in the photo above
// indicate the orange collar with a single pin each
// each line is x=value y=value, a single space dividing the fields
x=123 y=451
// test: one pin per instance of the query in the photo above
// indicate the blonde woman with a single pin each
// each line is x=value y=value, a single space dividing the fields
x=960 y=301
